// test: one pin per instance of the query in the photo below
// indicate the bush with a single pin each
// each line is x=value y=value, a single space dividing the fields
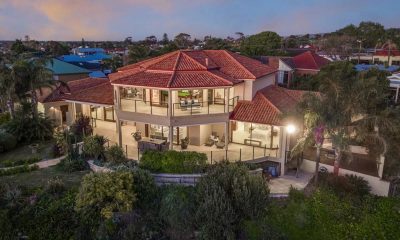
x=115 y=155
x=7 y=141
x=19 y=169
x=345 y=185
x=174 y=162
x=106 y=193
x=9 y=163
x=228 y=195
x=72 y=164
x=28 y=129
x=94 y=145
x=4 y=118
x=81 y=127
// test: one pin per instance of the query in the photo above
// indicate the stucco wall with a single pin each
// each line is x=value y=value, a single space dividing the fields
x=378 y=186
x=262 y=83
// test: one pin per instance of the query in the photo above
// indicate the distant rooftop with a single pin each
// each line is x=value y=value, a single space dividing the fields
x=59 y=67
x=366 y=67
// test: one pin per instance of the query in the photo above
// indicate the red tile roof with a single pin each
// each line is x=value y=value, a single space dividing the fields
x=385 y=52
x=267 y=106
x=191 y=68
x=90 y=90
x=309 y=60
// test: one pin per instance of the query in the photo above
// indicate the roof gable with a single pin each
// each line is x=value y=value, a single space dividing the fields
x=59 y=67
x=309 y=60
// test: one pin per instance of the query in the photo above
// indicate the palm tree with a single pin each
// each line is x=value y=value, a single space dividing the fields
x=34 y=77
x=7 y=89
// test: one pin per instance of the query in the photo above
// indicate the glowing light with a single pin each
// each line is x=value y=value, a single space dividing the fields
x=290 y=128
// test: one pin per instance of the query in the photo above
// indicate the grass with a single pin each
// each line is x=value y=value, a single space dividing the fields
x=24 y=152
x=40 y=178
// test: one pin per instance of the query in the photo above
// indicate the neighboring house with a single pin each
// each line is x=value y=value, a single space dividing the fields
x=395 y=86
x=64 y=71
x=307 y=63
x=378 y=56
x=226 y=104
x=89 y=58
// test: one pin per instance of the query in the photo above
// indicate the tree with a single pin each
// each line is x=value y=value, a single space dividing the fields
x=370 y=32
x=151 y=40
x=94 y=145
x=165 y=39
x=182 y=40
x=33 y=77
x=264 y=43
x=227 y=196
x=337 y=46
x=217 y=44
x=138 y=53
x=18 y=47
x=7 y=89
x=112 y=63
x=54 y=48
x=106 y=193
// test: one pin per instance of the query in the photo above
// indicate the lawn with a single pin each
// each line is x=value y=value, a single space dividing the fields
x=24 y=152
x=40 y=177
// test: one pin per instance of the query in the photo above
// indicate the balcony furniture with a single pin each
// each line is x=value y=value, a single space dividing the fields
x=209 y=142
x=158 y=136
x=151 y=144
x=219 y=100
x=193 y=104
x=220 y=144
x=252 y=142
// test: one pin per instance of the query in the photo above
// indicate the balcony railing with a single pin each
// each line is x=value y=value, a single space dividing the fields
x=140 y=106
x=183 y=108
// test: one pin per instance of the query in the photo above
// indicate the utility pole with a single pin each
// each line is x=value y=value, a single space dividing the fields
x=359 y=50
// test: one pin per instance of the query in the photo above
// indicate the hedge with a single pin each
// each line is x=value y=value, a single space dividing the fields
x=10 y=163
x=16 y=170
x=173 y=162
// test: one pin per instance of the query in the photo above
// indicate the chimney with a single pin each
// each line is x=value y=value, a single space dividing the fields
x=207 y=62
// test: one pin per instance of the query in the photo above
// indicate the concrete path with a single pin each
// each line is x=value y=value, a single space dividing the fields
x=49 y=163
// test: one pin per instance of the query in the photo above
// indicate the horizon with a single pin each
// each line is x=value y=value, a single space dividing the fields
x=114 y=21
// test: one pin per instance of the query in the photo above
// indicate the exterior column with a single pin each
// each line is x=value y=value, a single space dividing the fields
x=381 y=163
x=170 y=137
x=74 y=112
x=119 y=132
x=397 y=95
x=226 y=135
x=226 y=95
x=117 y=98
x=283 y=144
x=170 y=106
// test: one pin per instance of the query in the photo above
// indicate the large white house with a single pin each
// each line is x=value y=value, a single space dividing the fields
x=227 y=105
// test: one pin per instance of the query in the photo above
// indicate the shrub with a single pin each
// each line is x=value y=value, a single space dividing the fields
x=7 y=141
x=94 y=145
x=20 y=162
x=72 y=164
x=227 y=195
x=19 y=169
x=177 y=210
x=55 y=186
x=81 y=127
x=146 y=190
x=174 y=162
x=4 y=118
x=106 y=193
x=345 y=185
x=28 y=129
x=115 y=155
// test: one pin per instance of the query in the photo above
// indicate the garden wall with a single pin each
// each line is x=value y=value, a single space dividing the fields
x=378 y=186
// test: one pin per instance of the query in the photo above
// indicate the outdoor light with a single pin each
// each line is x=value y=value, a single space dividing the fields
x=290 y=128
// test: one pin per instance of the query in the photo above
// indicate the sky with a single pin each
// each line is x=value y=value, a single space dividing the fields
x=118 y=19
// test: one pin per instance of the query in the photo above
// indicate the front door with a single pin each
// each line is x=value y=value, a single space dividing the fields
x=64 y=110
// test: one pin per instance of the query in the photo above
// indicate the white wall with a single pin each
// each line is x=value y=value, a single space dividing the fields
x=262 y=83
x=238 y=90
x=378 y=186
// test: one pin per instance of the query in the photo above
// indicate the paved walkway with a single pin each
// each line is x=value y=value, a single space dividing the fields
x=282 y=184
x=48 y=163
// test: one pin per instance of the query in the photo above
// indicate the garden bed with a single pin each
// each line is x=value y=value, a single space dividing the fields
x=23 y=153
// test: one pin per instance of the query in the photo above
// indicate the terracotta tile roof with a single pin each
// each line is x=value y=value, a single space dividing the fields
x=61 y=93
x=309 y=60
x=191 y=68
x=267 y=106
x=99 y=94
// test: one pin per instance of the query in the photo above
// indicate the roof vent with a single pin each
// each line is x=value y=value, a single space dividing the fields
x=207 y=62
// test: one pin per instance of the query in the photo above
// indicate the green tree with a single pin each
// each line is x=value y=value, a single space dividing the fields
x=264 y=43
x=112 y=63
x=94 y=145
x=138 y=53
x=182 y=40
x=7 y=89
x=217 y=44
x=370 y=33
x=165 y=39
x=18 y=47
x=227 y=195
x=107 y=193
x=54 y=48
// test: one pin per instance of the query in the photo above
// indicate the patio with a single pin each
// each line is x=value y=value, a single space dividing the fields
x=236 y=152
x=280 y=186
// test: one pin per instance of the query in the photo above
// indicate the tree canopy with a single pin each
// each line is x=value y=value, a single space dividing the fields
x=264 y=43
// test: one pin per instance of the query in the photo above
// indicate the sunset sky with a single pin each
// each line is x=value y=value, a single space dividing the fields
x=117 y=19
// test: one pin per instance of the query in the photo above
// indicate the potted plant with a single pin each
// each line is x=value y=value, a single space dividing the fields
x=184 y=143
x=137 y=136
